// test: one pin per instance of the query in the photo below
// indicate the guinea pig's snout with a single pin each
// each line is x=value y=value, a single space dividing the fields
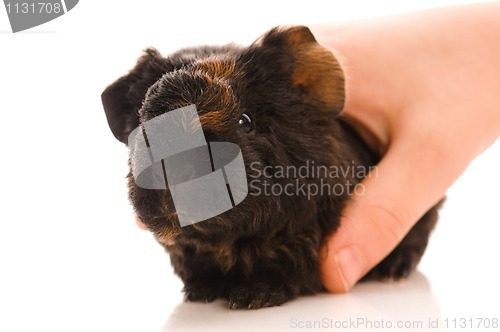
x=204 y=179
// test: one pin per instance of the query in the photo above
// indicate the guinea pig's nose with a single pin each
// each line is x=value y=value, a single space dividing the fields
x=204 y=179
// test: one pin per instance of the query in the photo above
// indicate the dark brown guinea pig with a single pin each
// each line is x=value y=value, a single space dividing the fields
x=279 y=101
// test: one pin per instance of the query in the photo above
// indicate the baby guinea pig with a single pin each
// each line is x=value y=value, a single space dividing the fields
x=278 y=100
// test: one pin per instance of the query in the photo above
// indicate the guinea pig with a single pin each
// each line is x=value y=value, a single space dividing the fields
x=279 y=101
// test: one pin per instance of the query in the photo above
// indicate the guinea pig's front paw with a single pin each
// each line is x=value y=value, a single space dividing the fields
x=202 y=292
x=398 y=265
x=258 y=295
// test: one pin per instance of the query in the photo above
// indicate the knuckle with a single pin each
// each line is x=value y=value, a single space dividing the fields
x=391 y=221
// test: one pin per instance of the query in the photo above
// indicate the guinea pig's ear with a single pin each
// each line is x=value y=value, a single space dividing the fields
x=314 y=70
x=123 y=99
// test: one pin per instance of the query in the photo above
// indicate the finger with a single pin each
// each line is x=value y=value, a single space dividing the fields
x=409 y=180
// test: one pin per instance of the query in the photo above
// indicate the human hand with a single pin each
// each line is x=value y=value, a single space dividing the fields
x=423 y=90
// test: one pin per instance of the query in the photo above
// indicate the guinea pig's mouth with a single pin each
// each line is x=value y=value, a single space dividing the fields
x=171 y=233
x=140 y=224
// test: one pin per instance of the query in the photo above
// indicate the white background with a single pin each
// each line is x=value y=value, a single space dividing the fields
x=71 y=258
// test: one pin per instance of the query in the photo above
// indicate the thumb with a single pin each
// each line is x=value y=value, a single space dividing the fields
x=404 y=185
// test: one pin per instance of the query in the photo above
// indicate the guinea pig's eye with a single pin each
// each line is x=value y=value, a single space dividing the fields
x=245 y=123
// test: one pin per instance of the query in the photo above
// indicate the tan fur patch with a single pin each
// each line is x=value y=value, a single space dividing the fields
x=167 y=238
x=224 y=256
x=217 y=69
x=318 y=73
x=219 y=104
x=316 y=70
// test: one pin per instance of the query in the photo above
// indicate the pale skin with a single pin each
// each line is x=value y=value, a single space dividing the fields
x=423 y=89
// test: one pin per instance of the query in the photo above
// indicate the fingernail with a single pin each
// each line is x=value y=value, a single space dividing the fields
x=351 y=265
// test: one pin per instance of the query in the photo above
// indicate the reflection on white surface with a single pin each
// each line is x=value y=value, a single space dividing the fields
x=406 y=306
